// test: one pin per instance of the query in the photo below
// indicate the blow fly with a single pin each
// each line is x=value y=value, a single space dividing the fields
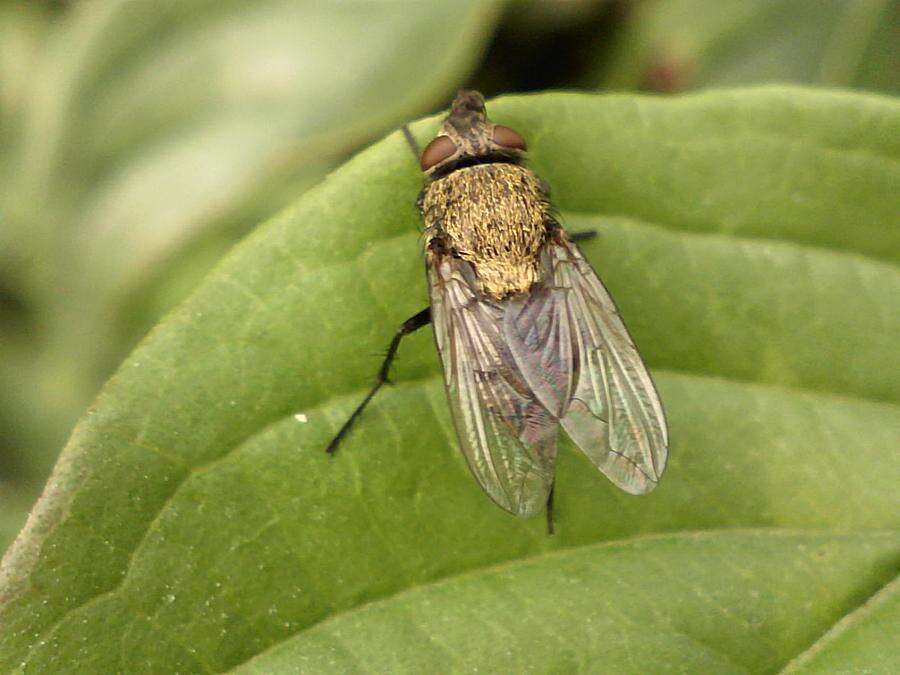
x=529 y=338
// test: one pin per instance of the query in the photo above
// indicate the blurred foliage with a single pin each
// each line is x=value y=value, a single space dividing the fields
x=140 y=140
x=672 y=45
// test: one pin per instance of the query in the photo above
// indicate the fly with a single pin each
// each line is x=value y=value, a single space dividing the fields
x=529 y=338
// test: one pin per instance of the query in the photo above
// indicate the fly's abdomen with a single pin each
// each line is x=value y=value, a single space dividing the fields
x=492 y=215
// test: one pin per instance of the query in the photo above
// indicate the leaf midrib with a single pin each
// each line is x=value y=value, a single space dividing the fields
x=842 y=625
x=693 y=535
x=190 y=471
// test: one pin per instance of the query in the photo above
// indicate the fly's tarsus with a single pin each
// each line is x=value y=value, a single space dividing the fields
x=411 y=325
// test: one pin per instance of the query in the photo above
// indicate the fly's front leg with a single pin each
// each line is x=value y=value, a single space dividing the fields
x=555 y=229
x=412 y=141
x=411 y=325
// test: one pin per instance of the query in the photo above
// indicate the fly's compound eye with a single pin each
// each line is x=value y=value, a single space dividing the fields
x=508 y=138
x=437 y=151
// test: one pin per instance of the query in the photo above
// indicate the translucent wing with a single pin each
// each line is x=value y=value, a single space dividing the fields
x=576 y=355
x=506 y=435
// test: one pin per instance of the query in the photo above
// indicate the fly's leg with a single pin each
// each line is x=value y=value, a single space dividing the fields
x=411 y=325
x=550 y=530
x=411 y=140
x=584 y=235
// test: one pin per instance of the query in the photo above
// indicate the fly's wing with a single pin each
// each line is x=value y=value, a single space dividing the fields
x=543 y=340
x=614 y=414
x=506 y=435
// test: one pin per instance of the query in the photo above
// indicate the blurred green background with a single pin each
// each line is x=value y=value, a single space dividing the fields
x=140 y=140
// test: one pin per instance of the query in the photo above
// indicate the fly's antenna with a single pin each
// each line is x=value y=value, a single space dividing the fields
x=412 y=141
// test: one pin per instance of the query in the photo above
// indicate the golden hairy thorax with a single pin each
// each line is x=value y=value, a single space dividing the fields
x=492 y=215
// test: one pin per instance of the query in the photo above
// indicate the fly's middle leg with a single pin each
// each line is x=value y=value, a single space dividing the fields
x=550 y=529
x=411 y=325
x=584 y=235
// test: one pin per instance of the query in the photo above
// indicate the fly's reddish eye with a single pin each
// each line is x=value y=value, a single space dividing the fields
x=436 y=152
x=508 y=138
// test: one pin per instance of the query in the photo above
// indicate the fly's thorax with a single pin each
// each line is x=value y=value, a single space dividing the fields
x=493 y=216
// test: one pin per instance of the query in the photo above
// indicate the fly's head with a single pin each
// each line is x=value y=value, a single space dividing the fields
x=468 y=137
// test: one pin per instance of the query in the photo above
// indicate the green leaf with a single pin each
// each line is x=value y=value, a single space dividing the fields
x=194 y=523
x=678 y=44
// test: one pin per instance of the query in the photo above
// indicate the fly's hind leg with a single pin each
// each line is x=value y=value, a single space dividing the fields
x=550 y=529
x=411 y=325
